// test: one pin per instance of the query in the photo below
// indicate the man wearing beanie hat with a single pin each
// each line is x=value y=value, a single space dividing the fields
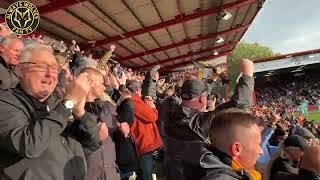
x=287 y=163
x=188 y=125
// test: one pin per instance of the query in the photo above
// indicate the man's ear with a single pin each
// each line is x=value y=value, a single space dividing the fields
x=92 y=84
x=235 y=149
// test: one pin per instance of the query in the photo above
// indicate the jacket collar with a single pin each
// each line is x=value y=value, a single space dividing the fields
x=136 y=98
x=3 y=61
x=47 y=105
x=5 y=64
x=222 y=156
x=36 y=104
x=216 y=161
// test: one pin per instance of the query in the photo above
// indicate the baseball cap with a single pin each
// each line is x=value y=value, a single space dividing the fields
x=192 y=88
x=295 y=141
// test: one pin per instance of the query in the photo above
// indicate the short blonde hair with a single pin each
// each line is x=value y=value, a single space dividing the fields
x=91 y=72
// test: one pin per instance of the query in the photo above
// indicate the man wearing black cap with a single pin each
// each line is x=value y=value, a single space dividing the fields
x=288 y=161
x=188 y=125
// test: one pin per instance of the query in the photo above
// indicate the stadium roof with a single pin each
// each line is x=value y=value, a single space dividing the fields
x=149 y=32
x=293 y=63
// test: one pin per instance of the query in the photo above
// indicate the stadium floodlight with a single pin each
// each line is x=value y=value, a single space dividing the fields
x=270 y=72
x=220 y=40
x=225 y=15
x=297 y=70
x=299 y=74
x=267 y=75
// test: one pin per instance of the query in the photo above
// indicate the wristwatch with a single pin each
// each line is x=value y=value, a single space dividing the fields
x=69 y=104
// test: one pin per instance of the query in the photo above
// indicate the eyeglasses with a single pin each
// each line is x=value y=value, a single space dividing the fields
x=42 y=67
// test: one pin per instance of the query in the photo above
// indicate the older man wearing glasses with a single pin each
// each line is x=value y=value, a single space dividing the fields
x=41 y=135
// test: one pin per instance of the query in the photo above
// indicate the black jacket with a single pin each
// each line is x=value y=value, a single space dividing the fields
x=163 y=106
x=202 y=162
x=283 y=167
x=8 y=77
x=217 y=166
x=305 y=174
x=125 y=147
x=116 y=149
x=185 y=125
x=37 y=140
x=102 y=162
x=302 y=175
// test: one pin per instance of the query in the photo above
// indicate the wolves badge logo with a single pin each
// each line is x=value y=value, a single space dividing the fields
x=22 y=17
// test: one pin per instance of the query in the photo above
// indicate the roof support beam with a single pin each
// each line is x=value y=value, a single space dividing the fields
x=229 y=45
x=178 y=19
x=141 y=24
x=169 y=33
x=55 y=6
x=117 y=24
x=91 y=26
x=184 y=42
x=64 y=28
x=168 y=68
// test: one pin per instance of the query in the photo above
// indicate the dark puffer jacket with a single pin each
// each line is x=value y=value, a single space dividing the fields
x=186 y=126
x=37 y=142
x=217 y=166
x=116 y=148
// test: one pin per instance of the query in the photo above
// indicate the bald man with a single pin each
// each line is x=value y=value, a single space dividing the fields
x=10 y=50
x=235 y=136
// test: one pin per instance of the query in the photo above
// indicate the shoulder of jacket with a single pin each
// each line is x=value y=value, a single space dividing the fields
x=4 y=70
x=7 y=96
x=226 y=174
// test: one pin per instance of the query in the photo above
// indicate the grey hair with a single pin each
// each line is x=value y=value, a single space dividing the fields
x=9 y=39
x=27 y=51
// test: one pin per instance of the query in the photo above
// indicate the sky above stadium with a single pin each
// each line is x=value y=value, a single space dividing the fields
x=287 y=26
